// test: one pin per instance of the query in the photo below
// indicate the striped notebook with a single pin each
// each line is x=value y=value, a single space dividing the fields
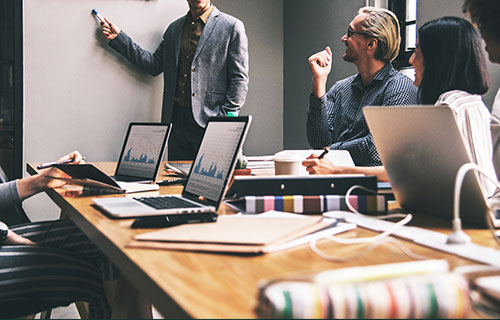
x=311 y=204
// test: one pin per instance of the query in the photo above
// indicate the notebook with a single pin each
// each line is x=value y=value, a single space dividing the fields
x=243 y=234
x=142 y=152
x=207 y=179
x=422 y=149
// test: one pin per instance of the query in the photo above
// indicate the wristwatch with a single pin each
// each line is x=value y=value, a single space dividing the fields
x=4 y=230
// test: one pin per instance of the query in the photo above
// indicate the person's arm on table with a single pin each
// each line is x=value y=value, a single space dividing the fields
x=325 y=166
x=14 y=192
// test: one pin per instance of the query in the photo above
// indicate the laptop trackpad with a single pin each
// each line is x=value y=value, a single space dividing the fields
x=121 y=204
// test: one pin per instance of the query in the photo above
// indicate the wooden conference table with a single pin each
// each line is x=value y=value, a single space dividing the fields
x=205 y=285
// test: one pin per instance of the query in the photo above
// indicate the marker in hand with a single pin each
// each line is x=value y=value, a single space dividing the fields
x=98 y=15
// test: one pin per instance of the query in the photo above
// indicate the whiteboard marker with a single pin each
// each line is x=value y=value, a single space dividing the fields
x=95 y=13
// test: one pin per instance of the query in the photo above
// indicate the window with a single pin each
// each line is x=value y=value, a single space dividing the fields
x=406 y=11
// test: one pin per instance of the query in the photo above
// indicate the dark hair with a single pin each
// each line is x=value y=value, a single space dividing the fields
x=453 y=59
x=484 y=13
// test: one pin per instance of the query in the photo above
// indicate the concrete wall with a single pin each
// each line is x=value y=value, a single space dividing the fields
x=264 y=25
x=310 y=26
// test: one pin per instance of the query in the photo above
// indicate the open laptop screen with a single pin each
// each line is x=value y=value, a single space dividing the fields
x=142 y=150
x=216 y=157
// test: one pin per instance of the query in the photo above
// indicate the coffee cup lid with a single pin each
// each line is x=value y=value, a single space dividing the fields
x=286 y=156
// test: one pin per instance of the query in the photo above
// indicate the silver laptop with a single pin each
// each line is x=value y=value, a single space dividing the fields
x=422 y=149
x=207 y=179
x=142 y=152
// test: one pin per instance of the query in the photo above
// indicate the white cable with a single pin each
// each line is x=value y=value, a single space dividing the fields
x=367 y=249
x=373 y=241
x=378 y=237
x=456 y=204
x=351 y=207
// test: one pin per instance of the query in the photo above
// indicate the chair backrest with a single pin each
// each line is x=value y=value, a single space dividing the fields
x=15 y=214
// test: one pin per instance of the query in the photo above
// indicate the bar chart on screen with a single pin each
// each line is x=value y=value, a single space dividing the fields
x=215 y=156
x=142 y=150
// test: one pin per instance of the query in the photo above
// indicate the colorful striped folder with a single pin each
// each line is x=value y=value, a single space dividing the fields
x=311 y=204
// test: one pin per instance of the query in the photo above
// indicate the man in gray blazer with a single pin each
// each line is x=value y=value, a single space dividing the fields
x=204 y=60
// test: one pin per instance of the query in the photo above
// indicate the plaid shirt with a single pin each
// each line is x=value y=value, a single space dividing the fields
x=336 y=120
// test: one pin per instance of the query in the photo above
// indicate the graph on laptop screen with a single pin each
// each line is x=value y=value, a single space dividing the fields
x=142 y=151
x=213 y=161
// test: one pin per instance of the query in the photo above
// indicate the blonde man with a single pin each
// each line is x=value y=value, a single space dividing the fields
x=334 y=118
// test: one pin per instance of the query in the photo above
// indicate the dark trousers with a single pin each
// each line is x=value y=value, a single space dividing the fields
x=63 y=267
x=186 y=135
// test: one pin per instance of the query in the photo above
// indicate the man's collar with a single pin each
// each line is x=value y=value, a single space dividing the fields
x=379 y=76
x=204 y=16
x=384 y=72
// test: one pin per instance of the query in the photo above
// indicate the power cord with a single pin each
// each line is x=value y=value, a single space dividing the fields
x=374 y=241
x=458 y=236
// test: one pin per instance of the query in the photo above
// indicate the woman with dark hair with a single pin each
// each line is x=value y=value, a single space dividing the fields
x=449 y=69
x=451 y=49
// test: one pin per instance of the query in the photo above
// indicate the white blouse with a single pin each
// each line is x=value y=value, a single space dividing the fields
x=473 y=120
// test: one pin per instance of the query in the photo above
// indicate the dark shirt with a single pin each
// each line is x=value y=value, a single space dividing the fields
x=193 y=28
x=336 y=120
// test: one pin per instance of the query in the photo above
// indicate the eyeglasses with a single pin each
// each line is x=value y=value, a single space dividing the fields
x=350 y=32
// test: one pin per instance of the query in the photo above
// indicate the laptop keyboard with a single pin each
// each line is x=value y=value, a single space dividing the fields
x=166 y=202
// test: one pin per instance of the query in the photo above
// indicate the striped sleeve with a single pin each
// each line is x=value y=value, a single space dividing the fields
x=473 y=121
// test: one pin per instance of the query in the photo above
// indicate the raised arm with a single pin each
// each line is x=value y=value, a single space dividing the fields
x=151 y=63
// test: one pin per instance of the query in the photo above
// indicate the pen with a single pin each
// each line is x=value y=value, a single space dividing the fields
x=323 y=154
x=174 y=220
x=53 y=163
x=169 y=182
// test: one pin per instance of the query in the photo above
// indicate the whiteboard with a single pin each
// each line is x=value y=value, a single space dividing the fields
x=81 y=94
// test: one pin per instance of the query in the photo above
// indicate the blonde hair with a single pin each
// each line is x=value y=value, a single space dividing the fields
x=382 y=25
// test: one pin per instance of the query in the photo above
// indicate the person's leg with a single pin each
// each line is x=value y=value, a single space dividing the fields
x=194 y=134
x=185 y=137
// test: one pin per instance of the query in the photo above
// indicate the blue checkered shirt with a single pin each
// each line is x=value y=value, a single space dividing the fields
x=336 y=120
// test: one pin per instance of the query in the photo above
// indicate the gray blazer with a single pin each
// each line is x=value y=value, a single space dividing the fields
x=219 y=73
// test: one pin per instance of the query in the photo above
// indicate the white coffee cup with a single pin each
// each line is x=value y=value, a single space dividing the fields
x=286 y=163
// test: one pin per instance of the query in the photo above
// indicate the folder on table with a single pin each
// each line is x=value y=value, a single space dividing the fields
x=233 y=234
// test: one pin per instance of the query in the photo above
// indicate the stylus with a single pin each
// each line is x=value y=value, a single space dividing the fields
x=53 y=163
x=173 y=220
x=171 y=181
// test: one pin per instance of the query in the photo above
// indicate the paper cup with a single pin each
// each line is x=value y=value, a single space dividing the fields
x=286 y=163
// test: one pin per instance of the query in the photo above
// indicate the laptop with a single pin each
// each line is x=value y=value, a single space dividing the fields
x=207 y=179
x=422 y=149
x=142 y=152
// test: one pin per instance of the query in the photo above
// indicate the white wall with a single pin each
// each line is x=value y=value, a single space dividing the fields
x=264 y=26
x=310 y=26
x=80 y=94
